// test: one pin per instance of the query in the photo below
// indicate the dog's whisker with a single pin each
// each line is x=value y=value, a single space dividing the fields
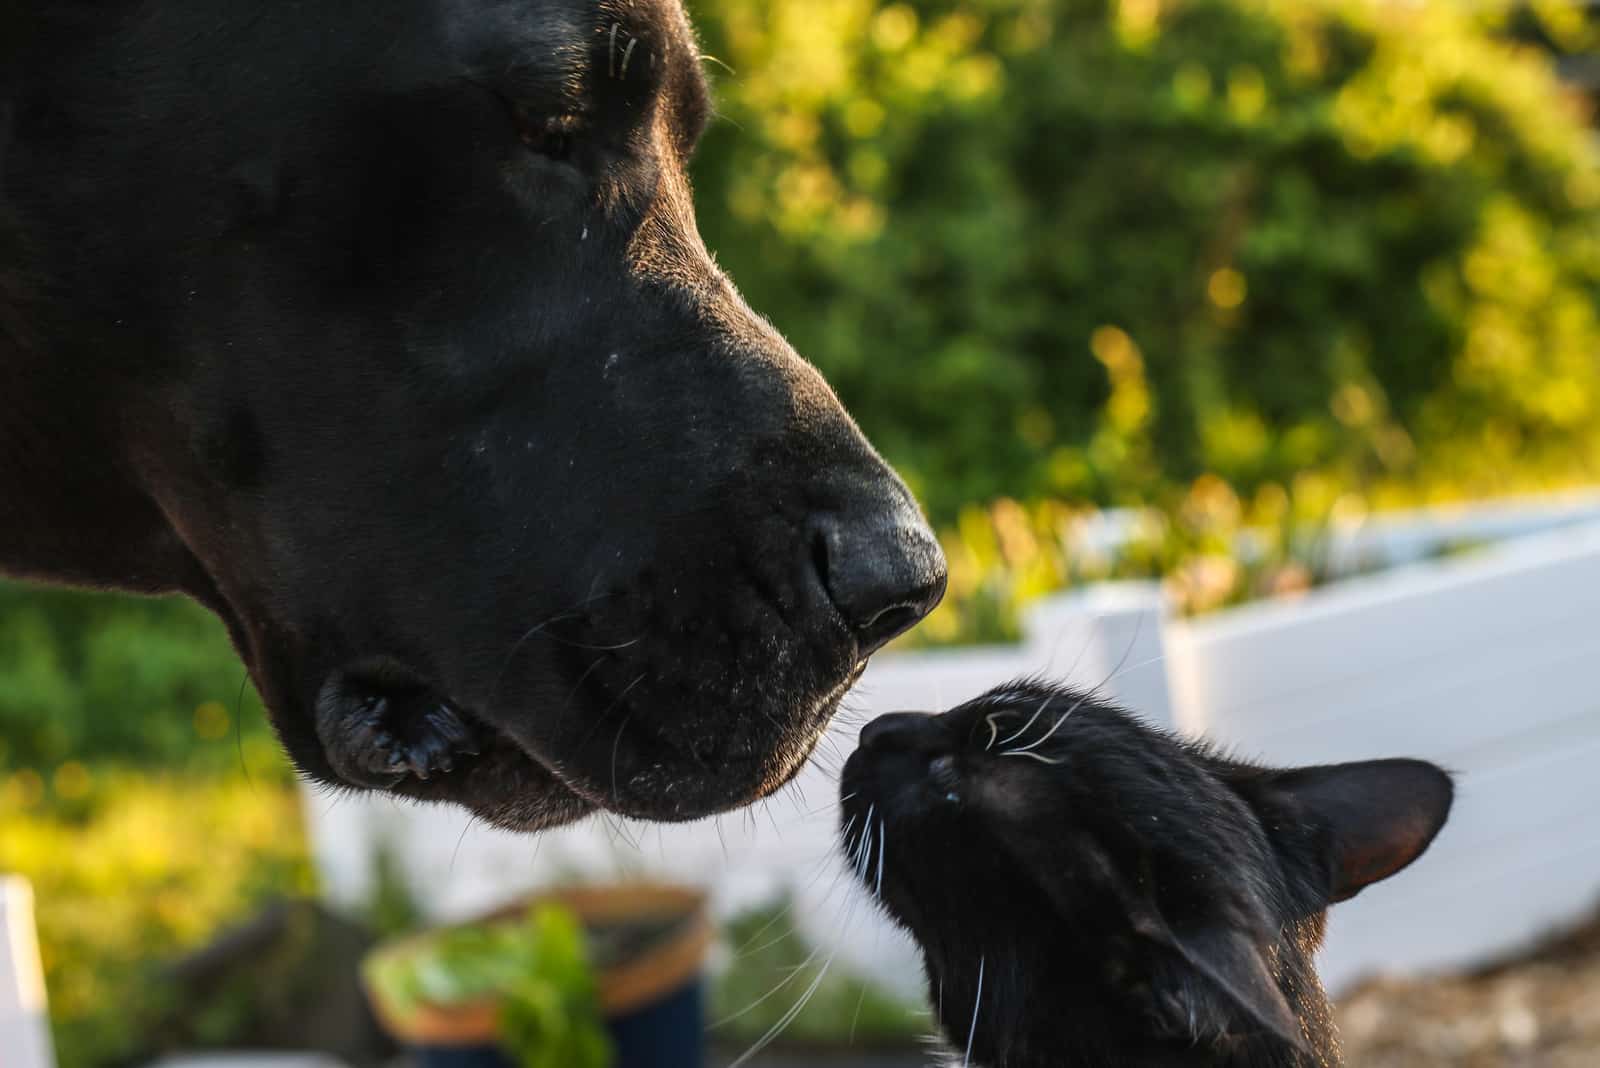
x=616 y=745
x=629 y=644
x=238 y=731
x=611 y=71
x=581 y=680
x=610 y=708
x=472 y=818
x=627 y=57
x=570 y=613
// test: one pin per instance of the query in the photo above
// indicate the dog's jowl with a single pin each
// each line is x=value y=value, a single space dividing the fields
x=383 y=328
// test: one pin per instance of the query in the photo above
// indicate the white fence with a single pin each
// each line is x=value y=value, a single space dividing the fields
x=1485 y=663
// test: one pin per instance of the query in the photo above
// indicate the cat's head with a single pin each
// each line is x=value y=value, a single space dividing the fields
x=1090 y=890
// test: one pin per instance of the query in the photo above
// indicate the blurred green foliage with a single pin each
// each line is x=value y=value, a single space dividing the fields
x=1209 y=547
x=129 y=872
x=1092 y=249
x=90 y=677
x=142 y=793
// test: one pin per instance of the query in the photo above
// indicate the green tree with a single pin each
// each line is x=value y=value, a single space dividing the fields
x=1094 y=249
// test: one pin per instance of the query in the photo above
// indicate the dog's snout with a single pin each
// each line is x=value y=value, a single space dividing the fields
x=883 y=570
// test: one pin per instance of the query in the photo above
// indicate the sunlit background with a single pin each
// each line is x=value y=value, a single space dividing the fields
x=1191 y=291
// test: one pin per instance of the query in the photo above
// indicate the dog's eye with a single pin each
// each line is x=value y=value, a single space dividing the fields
x=551 y=142
x=551 y=138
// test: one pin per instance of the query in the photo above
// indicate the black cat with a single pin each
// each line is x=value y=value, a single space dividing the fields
x=1089 y=891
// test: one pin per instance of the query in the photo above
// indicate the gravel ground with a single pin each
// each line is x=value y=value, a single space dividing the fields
x=1539 y=1011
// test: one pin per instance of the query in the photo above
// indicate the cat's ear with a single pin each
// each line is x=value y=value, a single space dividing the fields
x=1378 y=815
x=1235 y=979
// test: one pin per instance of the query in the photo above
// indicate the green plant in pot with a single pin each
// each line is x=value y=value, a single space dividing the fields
x=585 y=977
x=534 y=970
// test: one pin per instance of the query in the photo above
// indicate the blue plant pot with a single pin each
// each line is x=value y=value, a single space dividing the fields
x=667 y=1033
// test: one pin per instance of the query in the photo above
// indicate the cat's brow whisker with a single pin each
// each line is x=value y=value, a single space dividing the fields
x=1056 y=648
x=972 y=1031
x=1122 y=668
x=1046 y=736
x=1031 y=720
x=1031 y=756
x=994 y=729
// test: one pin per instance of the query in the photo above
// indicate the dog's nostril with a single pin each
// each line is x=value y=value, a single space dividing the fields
x=884 y=572
x=890 y=624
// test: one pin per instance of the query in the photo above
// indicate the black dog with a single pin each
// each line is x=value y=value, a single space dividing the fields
x=383 y=329
x=1089 y=891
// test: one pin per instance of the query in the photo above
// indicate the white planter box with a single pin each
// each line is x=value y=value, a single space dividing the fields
x=1483 y=663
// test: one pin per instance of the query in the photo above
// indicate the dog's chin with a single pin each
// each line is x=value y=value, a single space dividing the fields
x=661 y=781
x=646 y=778
x=503 y=786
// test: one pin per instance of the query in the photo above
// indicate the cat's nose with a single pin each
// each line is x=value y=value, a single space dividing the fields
x=905 y=731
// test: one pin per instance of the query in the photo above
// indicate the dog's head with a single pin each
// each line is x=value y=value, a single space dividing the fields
x=421 y=359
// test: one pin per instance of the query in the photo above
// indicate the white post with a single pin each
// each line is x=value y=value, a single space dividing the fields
x=1108 y=638
x=24 y=1019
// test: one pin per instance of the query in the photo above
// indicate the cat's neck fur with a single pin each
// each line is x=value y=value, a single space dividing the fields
x=1038 y=984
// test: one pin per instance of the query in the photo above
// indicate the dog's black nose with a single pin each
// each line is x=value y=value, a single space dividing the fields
x=901 y=731
x=884 y=571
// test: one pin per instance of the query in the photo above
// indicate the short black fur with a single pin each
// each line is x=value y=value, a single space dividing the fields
x=1095 y=892
x=384 y=329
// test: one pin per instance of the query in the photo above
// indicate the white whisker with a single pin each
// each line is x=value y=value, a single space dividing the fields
x=972 y=1030
x=1032 y=719
x=866 y=843
x=878 y=891
x=994 y=730
x=764 y=998
x=1045 y=737
x=1031 y=756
